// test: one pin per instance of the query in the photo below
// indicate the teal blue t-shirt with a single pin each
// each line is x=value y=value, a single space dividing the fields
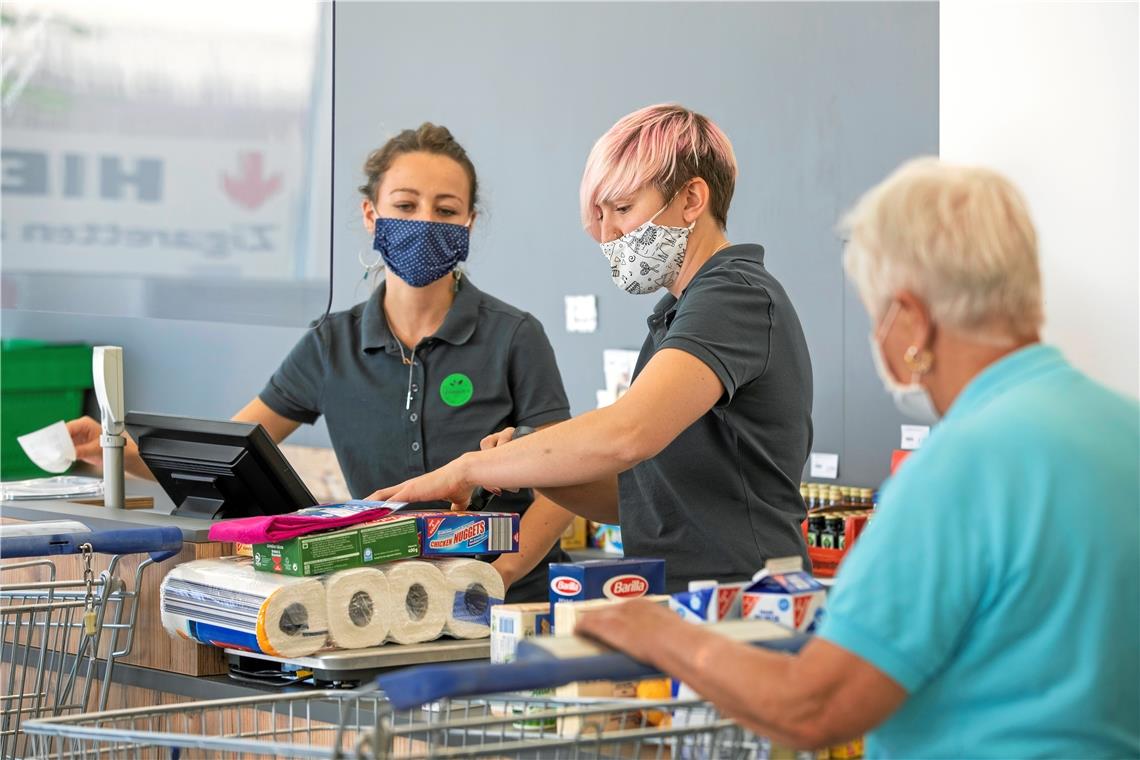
x=999 y=580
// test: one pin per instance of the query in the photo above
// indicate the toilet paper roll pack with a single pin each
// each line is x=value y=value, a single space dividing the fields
x=421 y=601
x=475 y=587
x=225 y=602
x=359 y=608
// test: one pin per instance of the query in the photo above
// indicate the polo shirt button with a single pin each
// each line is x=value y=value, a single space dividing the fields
x=416 y=446
x=414 y=417
x=415 y=388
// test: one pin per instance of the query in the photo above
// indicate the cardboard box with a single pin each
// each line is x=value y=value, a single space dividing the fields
x=574 y=537
x=709 y=601
x=575 y=725
x=385 y=540
x=785 y=593
x=511 y=623
x=462 y=534
x=566 y=615
x=608 y=578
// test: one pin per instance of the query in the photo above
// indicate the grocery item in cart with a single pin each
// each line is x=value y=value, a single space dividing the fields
x=709 y=601
x=566 y=616
x=785 y=593
x=226 y=603
x=604 y=578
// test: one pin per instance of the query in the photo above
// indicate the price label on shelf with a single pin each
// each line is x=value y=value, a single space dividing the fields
x=825 y=466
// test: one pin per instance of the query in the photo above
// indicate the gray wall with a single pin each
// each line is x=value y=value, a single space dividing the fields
x=820 y=100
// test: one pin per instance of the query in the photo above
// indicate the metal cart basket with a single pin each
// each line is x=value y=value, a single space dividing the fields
x=61 y=637
x=442 y=711
x=346 y=724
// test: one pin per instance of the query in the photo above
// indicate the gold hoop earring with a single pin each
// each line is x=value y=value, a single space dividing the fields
x=918 y=360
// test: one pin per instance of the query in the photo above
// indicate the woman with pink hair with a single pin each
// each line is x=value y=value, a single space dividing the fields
x=700 y=460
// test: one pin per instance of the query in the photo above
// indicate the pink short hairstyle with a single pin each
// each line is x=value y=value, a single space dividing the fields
x=665 y=145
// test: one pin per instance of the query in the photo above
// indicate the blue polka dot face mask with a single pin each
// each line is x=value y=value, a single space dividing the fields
x=419 y=252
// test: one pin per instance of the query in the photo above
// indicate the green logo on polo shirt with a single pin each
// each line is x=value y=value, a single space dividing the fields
x=456 y=389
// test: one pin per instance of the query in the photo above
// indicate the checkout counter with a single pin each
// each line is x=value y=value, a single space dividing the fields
x=162 y=668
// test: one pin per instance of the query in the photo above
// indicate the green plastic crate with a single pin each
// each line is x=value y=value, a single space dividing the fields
x=40 y=383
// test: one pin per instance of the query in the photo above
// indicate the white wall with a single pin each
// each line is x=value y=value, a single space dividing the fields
x=1047 y=93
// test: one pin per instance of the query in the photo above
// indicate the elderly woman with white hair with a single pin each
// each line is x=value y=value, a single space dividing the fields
x=990 y=608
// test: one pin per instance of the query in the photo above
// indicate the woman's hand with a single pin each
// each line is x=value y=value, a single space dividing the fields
x=448 y=483
x=494 y=439
x=85 y=433
x=497 y=439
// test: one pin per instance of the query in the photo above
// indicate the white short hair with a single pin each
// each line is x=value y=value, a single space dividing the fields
x=960 y=238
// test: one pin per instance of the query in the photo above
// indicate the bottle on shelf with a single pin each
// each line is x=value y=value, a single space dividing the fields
x=828 y=537
x=815 y=528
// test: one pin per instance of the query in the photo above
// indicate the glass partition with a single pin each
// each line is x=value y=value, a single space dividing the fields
x=166 y=159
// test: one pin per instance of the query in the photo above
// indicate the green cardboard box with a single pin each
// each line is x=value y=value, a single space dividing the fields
x=359 y=546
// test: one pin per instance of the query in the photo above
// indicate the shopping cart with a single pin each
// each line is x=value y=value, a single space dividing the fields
x=419 y=713
x=61 y=636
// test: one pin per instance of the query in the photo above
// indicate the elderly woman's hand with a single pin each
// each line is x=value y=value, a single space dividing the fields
x=633 y=627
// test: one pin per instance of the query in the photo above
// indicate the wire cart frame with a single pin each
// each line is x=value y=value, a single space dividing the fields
x=61 y=637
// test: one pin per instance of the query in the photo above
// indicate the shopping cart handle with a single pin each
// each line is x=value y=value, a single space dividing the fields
x=159 y=543
x=412 y=687
x=417 y=686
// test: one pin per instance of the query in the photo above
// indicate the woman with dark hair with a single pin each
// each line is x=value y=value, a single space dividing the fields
x=425 y=368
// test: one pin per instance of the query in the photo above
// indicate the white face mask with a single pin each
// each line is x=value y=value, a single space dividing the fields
x=648 y=258
x=911 y=399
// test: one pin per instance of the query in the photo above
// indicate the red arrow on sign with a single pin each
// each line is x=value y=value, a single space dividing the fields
x=251 y=187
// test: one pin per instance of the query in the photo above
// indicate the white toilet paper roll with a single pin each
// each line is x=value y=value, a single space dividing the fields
x=475 y=587
x=421 y=601
x=225 y=602
x=359 y=603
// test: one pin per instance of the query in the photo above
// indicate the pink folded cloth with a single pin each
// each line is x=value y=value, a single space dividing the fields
x=274 y=528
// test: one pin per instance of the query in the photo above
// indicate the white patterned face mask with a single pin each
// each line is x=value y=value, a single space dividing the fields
x=648 y=258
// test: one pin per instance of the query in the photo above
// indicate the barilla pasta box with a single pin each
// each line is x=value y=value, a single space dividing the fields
x=605 y=578
x=784 y=593
x=462 y=534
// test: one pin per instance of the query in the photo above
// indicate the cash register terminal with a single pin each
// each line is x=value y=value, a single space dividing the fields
x=217 y=468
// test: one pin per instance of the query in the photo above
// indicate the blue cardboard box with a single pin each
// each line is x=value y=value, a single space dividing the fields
x=605 y=578
x=462 y=534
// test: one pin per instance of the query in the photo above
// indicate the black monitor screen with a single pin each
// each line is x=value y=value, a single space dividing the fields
x=214 y=468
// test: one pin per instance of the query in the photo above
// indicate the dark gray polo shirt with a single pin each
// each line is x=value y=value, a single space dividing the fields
x=489 y=366
x=723 y=497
